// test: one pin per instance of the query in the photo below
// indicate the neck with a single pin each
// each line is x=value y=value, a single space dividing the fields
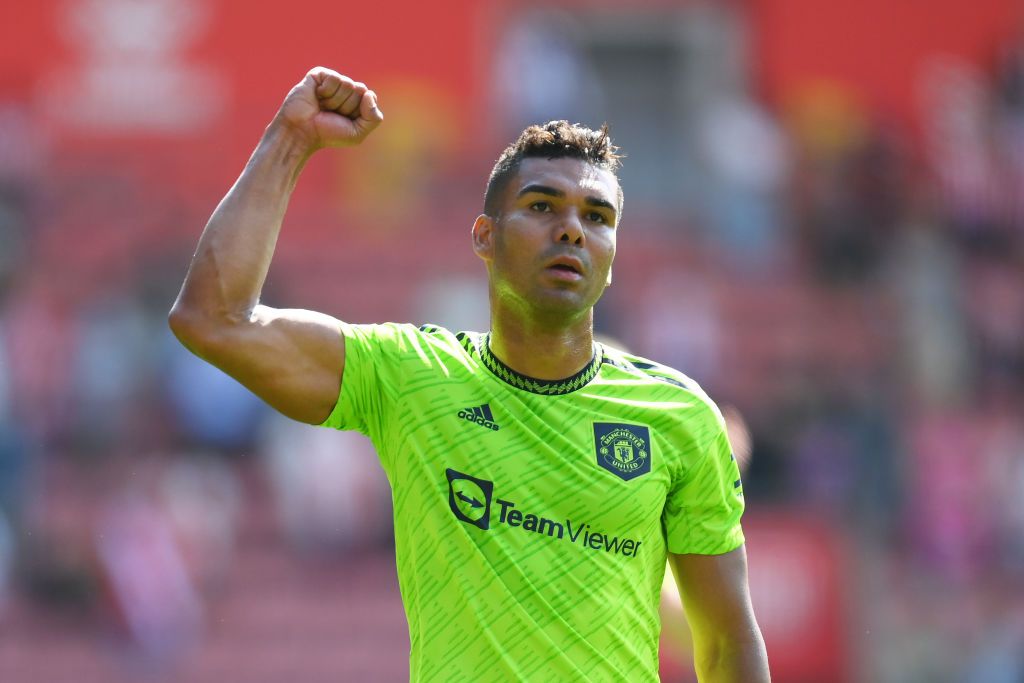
x=540 y=350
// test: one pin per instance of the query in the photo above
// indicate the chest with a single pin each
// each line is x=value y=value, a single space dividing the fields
x=592 y=462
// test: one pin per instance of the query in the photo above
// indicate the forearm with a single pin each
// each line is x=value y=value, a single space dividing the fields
x=733 y=661
x=231 y=262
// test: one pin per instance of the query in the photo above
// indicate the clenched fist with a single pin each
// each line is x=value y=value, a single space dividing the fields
x=326 y=109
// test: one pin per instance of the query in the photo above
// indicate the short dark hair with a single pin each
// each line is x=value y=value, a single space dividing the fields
x=552 y=140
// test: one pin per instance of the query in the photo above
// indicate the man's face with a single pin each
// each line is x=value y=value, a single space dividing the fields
x=549 y=251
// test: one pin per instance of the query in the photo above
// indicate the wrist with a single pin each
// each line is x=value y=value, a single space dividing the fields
x=289 y=143
x=286 y=148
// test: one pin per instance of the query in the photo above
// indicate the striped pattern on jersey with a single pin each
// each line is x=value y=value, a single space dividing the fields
x=533 y=517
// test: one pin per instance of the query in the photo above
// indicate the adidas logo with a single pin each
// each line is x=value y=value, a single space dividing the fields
x=480 y=415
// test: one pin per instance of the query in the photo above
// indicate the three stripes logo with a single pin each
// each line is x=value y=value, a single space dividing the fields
x=480 y=415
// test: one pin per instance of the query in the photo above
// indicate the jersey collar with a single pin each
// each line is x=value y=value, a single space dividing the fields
x=545 y=387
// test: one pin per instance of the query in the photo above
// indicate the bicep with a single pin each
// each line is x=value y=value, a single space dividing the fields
x=291 y=358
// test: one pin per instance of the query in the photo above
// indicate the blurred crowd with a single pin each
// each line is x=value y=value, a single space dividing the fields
x=852 y=285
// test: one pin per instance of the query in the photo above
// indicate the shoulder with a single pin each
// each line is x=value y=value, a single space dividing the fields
x=659 y=375
x=436 y=344
x=404 y=332
x=460 y=342
x=408 y=339
x=443 y=334
x=644 y=368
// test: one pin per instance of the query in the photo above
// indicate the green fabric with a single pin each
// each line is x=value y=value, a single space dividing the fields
x=532 y=518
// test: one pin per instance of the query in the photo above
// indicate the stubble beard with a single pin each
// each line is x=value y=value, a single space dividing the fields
x=549 y=306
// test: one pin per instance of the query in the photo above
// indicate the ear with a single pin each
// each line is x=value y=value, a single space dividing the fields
x=483 y=237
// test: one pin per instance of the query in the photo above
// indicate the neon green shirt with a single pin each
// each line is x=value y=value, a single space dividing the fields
x=532 y=517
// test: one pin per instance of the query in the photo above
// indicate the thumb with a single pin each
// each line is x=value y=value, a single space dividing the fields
x=370 y=115
x=369 y=110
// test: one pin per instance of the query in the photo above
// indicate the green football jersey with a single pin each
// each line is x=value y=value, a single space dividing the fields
x=533 y=517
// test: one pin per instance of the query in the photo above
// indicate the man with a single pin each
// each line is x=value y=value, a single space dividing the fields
x=539 y=479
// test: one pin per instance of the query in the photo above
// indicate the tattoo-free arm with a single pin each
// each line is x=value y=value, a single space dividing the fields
x=727 y=642
x=293 y=359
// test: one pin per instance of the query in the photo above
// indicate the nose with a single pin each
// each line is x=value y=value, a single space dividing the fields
x=570 y=231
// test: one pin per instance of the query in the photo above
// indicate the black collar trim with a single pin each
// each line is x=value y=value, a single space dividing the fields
x=545 y=387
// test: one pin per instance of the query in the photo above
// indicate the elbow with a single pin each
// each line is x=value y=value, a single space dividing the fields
x=191 y=329
x=183 y=326
x=708 y=659
x=176 y=320
x=739 y=657
x=205 y=335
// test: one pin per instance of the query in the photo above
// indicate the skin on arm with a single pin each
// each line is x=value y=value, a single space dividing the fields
x=293 y=359
x=727 y=642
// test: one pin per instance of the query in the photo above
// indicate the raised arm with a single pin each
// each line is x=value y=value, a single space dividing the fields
x=293 y=359
x=727 y=643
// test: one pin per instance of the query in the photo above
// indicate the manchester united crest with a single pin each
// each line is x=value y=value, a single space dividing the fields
x=622 y=449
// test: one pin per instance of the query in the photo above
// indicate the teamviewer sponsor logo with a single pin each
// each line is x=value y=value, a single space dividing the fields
x=480 y=415
x=470 y=501
x=470 y=498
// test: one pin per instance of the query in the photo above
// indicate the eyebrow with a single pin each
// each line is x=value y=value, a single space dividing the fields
x=555 y=192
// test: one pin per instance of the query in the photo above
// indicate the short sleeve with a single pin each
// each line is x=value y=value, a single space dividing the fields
x=703 y=510
x=371 y=381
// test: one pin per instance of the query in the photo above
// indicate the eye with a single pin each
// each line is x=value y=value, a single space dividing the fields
x=596 y=217
x=542 y=207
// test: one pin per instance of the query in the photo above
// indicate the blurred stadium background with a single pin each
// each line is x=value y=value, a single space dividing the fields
x=824 y=225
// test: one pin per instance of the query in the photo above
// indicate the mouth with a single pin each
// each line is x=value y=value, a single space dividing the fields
x=564 y=273
x=566 y=268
